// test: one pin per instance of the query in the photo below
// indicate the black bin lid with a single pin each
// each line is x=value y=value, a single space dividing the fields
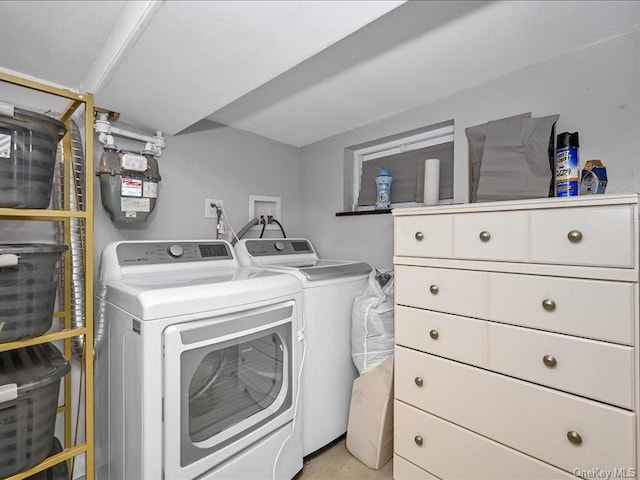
x=32 y=367
x=34 y=121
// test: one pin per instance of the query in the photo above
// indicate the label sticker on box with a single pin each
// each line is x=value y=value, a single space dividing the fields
x=135 y=204
x=150 y=190
x=131 y=187
x=5 y=146
x=133 y=162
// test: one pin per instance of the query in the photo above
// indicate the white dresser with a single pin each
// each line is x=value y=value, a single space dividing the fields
x=516 y=339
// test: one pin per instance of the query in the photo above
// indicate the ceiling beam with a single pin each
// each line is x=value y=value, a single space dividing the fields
x=132 y=22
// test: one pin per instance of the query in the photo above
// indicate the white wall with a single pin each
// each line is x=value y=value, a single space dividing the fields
x=596 y=92
x=209 y=160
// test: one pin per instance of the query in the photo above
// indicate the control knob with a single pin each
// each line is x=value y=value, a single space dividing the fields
x=175 y=251
x=279 y=246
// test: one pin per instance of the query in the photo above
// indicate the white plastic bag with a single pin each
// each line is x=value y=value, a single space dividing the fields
x=372 y=324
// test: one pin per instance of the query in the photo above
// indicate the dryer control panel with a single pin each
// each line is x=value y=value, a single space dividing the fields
x=153 y=253
x=280 y=246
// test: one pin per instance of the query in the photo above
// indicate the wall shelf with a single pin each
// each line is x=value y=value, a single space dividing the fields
x=49 y=337
x=78 y=103
x=363 y=212
x=47 y=215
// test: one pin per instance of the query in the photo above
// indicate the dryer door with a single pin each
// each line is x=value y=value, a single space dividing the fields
x=228 y=383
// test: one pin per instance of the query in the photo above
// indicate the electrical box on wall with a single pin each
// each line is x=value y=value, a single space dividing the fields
x=266 y=205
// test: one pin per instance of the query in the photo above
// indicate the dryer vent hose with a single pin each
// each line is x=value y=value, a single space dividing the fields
x=78 y=230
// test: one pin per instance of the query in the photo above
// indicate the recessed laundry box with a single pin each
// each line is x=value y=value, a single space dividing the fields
x=28 y=145
x=29 y=387
x=28 y=281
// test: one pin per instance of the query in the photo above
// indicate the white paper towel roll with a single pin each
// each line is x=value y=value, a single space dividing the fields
x=432 y=181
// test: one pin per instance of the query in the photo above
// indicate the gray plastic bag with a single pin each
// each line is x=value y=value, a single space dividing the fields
x=372 y=323
x=510 y=158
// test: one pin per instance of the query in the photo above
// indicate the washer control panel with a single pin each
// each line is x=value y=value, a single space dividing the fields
x=281 y=246
x=171 y=252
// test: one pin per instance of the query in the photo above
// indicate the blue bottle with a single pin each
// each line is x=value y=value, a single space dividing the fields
x=567 y=165
x=383 y=189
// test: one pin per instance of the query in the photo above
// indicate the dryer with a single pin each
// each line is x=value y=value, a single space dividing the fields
x=329 y=288
x=197 y=365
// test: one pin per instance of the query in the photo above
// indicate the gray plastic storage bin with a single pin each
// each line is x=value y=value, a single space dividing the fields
x=28 y=146
x=57 y=472
x=29 y=388
x=28 y=289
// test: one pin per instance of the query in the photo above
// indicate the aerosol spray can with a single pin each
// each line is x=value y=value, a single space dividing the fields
x=383 y=189
x=567 y=165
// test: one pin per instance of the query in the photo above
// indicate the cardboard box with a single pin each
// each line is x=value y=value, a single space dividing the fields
x=370 y=428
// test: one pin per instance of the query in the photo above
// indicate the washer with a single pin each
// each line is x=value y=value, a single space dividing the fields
x=198 y=364
x=329 y=289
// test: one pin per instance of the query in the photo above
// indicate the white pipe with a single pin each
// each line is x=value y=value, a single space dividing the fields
x=104 y=129
x=158 y=140
x=132 y=22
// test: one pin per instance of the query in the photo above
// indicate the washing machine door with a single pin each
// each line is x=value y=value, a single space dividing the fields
x=228 y=382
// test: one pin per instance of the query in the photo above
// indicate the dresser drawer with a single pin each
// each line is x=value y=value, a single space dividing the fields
x=459 y=338
x=423 y=236
x=491 y=236
x=404 y=470
x=451 y=452
x=597 y=370
x=601 y=236
x=587 y=308
x=452 y=291
x=534 y=420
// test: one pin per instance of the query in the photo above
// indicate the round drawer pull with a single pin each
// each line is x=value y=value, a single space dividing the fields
x=485 y=236
x=419 y=381
x=550 y=361
x=574 y=437
x=419 y=236
x=434 y=289
x=418 y=439
x=574 y=236
x=434 y=334
x=549 y=305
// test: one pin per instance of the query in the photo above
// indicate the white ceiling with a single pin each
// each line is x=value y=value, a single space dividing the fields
x=418 y=53
x=55 y=41
x=294 y=71
x=166 y=65
x=196 y=57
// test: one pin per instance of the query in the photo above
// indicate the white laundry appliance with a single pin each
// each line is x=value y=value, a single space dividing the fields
x=197 y=365
x=330 y=287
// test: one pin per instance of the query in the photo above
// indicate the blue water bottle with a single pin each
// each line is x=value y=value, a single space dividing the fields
x=383 y=189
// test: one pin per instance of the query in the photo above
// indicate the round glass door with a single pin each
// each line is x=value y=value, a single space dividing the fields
x=234 y=383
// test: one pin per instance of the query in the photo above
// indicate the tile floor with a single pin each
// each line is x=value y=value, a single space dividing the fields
x=334 y=462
